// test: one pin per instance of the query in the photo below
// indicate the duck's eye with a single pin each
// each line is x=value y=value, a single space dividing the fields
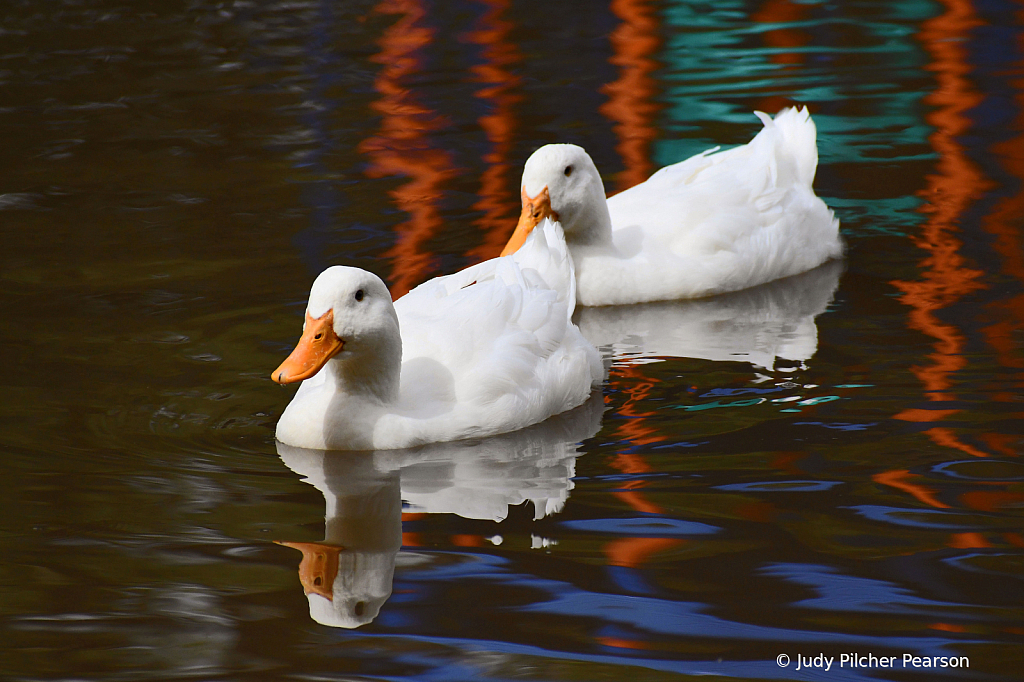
x=359 y=295
x=568 y=171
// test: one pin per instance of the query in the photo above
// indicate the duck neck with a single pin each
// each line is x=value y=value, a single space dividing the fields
x=373 y=379
x=591 y=223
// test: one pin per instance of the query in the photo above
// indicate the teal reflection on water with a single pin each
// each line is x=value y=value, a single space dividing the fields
x=717 y=68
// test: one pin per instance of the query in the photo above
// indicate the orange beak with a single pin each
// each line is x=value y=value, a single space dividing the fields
x=535 y=209
x=317 y=345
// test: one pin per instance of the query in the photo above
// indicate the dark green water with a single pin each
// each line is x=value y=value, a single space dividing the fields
x=826 y=465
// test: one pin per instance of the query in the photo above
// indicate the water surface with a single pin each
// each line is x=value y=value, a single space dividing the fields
x=826 y=464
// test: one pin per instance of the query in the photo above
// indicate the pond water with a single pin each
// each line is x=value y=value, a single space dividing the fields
x=827 y=465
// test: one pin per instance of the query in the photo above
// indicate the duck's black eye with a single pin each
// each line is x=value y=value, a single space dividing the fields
x=568 y=171
x=359 y=295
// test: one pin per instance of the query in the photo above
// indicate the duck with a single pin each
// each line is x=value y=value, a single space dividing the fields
x=487 y=350
x=717 y=222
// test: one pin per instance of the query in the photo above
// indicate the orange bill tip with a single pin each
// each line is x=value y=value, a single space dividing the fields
x=316 y=346
x=535 y=209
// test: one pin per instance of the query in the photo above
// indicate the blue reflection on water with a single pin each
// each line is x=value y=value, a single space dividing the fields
x=947 y=469
x=905 y=517
x=715 y=392
x=442 y=667
x=781 y=486
x=630 y=580
x=642 y=527
x=648 y=619
x=839 y=592
x=662 y=617
x=839 y=426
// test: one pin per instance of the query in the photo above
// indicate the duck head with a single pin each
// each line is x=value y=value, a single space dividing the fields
x=351 y=325
x=561 y=181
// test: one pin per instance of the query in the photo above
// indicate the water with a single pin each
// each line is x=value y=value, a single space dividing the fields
x=821 y=466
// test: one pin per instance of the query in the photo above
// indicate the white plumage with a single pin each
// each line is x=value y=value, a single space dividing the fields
x=487 y=350
x=717 y=222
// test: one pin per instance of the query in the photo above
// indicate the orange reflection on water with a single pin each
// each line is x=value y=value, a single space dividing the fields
x=955 y=186
x=629 y=102
x=634 y=464
x=899 y=479
x=403 y=146
x=467 y=540
x=991 y=500
x=945 y=436
x=500 y=208
x=634 y=429
x=1003 y=443
x=980 y=500
x=1014 y=539
x=782 y=12
x=620 y=643
x=987 y=501
x=410 y=539
x=630 y=107
x=633 y=552
x=1005 y=224
x=968 y=541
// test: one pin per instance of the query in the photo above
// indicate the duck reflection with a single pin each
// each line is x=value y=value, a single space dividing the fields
x=759 y=325
x=347 y=577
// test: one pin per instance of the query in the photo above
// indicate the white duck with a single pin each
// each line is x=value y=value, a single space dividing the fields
x=487 y=350
x=716 y=222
